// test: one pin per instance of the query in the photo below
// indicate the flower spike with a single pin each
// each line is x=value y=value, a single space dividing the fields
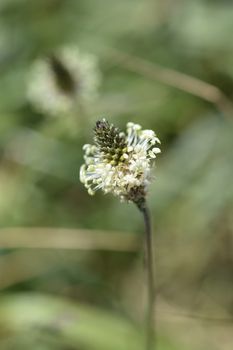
x=118 y=162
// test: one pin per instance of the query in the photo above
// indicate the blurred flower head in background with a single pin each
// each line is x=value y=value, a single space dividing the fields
x=119 y=163
x=63 y=80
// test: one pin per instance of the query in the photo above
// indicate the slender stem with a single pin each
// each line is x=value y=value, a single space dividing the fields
x=149 y=267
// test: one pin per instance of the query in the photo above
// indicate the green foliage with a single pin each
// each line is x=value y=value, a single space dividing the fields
x=40 y=318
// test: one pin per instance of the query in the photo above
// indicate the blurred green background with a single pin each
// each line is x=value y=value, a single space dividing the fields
x=71 y=273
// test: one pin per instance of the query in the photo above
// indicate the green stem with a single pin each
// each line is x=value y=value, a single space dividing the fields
x=149 y=267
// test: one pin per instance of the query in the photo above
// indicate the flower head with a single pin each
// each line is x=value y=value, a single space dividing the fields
x=118 y=162
x=61 y=80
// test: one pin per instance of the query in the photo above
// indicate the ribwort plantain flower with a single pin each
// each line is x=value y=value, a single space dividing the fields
x=121 y=163
x=118 y=162
x=65 y=78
